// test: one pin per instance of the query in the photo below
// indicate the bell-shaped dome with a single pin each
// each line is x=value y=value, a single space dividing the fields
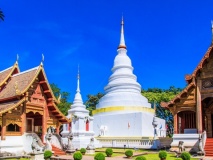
x=122 y=90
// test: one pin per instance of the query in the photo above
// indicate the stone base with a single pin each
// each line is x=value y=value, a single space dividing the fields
x=37 y=156
x=69 y=152
x=92 y=151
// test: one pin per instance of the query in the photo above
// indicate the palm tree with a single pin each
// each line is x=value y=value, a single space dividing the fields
x=1 y=15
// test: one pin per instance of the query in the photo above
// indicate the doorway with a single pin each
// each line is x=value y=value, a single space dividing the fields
x=30 y=125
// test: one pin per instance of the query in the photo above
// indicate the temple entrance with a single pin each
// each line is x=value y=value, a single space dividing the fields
x=186 y=120
x=30 y=125
x=207 y=116
x=34 y=122
x=212 y=123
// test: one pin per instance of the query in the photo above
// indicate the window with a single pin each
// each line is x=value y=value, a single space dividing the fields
x=13 y=128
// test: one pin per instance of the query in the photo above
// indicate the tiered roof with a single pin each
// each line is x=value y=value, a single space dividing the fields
x=190 y=80
x=16 y=86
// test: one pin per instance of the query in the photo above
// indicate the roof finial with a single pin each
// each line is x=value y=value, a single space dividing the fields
x=42 y=58
x=17 y=58
x=122 y=41
x=212 y=31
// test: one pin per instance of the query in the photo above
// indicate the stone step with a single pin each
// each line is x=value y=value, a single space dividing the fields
x=57 y=151
x=208 y=147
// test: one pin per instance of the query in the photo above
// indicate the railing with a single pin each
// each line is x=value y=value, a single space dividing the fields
x=146 y=143
x=57 y=141
x=35 y=136
x=203 y=139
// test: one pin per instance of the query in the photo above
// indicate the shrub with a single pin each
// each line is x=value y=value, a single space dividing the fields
x=162 y=154
x=141 y=158
x=77 y=156
x=185 y=156
x=109 y=152
x=83 y=150
x=99 y=156
x=129 y=153
x=47 y=154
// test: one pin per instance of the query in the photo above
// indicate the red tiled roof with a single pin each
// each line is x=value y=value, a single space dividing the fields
x=18 y=83
x=185 y=90
x=4 y=74
x=200 y=65
x=4 y=107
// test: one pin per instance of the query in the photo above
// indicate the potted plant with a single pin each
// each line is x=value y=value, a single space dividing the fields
x=99 y=156
x=109 y=152
x=185 y=156
x=77 y=156
x=83 y=151
x=129 y=153
x=141 y=158
x=47 y=154
x=162 y=155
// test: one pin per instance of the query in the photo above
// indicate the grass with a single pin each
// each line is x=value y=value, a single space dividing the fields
x=146 y=153
x=152 y=156
x=19 y=159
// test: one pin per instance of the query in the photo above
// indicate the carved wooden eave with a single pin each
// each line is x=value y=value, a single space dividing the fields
x=12 y=70
x=181 y=99
x=40 y=70
x=13 y=106
x=199 y=67
x=57 y=113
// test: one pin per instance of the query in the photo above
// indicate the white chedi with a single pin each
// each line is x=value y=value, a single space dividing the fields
x=123 y=111
x=82 y=123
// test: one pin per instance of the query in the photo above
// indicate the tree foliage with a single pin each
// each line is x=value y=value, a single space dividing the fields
x=64 y=105
x=157 y=95
x=1 y=15
x=93 y=101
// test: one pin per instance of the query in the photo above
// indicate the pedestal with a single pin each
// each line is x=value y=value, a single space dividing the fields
x=37 y=156
x=91 y=151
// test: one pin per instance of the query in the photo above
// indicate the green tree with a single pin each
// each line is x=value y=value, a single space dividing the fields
x=64 y=105
x=93 y=101
x=157 y=95
x=1 y=15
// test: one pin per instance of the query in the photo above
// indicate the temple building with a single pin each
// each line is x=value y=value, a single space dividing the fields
x=123 y=111
x=82 y=124
x=193 y=107
x=27 y=105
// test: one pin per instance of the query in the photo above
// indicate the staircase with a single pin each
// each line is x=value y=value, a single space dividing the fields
x=57 y=151
x=209 y=147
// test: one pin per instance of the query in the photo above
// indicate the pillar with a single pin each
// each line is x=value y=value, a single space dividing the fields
x=44 y=122
x=175 y=123
x=58 y=128
x=199 y=107
x=23 y=119
x=3 y=129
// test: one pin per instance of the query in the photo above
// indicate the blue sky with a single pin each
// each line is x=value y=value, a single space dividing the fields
x=165 y=39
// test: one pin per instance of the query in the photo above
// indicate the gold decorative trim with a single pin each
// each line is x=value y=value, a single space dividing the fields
x=120 y=108
x=9 y=75
x=34 y=111
x=14 y=121
x=14 y=106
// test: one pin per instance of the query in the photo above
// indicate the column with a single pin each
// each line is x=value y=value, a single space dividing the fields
x=3 y=129
x=23 y=119
x=199 y=108
x=175 y=123
x=44 y=122
x=58 y=127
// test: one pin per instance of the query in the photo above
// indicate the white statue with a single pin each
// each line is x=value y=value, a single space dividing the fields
x=103 y=130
